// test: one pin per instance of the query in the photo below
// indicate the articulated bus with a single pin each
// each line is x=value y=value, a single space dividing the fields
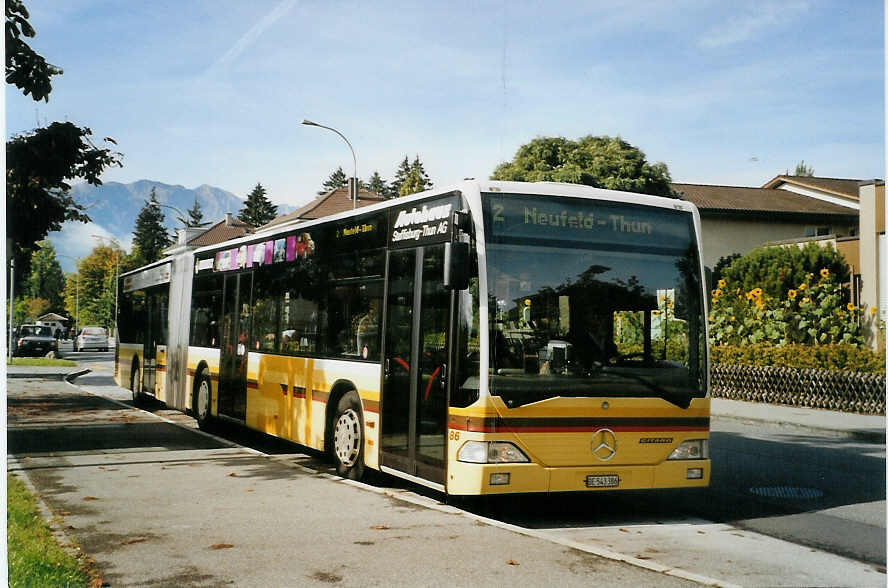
x=486 y=338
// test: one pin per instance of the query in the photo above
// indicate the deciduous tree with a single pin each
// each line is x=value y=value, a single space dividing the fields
x=46 y=279
x=40 y=164
x=602 y=162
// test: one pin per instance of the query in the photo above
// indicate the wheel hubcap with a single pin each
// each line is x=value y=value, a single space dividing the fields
x=347 y=438
x=203 y=400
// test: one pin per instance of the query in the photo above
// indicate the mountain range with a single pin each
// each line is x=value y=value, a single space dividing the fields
x=113 y=208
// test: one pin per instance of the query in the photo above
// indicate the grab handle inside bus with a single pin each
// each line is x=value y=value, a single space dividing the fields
x=456 y=266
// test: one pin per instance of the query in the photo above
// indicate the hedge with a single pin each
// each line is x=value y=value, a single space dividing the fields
x=834 y=357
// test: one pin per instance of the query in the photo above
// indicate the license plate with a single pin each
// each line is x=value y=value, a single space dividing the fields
x=602 y=481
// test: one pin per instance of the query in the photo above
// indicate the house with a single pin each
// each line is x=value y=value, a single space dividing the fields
x=737 y=219
x=848 y=214
x=54 y=321
x=332 y=202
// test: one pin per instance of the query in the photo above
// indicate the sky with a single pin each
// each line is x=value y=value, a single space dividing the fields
x=213 y=92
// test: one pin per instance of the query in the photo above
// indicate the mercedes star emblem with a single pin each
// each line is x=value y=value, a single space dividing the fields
x=604 y=444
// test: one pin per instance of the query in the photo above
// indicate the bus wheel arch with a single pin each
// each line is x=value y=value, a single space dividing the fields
x=344 y=438
x=201 y=396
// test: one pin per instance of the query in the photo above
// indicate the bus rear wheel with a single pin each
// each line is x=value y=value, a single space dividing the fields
x=348 y=437
x=135 y=385
x=200 y=402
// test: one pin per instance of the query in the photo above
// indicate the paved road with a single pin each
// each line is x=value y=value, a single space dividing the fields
x=781 y=505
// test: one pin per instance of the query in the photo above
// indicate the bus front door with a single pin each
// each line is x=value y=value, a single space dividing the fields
x=233 y=358
x=414 y=400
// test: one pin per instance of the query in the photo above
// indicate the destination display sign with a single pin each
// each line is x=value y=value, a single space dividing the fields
x=570 y=219
x=146 y=279
x=422 y=223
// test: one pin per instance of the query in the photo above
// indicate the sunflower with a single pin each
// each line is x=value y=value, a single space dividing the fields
x=802 y=286
x=757 y=292
x=791 y=294
x=722 y=283
x=851 y=307
x=824 y=273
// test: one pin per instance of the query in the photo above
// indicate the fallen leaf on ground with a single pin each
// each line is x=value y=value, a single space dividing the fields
x=90 y=498
x=134 y=540
x=379 y=527
x=232 y=475
x=512 y=562
x=221 y=546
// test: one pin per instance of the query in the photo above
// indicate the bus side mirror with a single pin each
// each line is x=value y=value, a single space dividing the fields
x=456 y=266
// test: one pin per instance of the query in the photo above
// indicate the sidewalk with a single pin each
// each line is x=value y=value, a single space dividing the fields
x=863 y=426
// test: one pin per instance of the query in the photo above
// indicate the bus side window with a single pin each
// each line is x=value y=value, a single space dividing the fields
x=265 y=311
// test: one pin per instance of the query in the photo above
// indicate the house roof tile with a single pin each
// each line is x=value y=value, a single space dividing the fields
x=846 y=187
x=332 y=202
x=746 y=199
x=222 y=231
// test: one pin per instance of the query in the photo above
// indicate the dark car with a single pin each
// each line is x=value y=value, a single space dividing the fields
x=34 y=340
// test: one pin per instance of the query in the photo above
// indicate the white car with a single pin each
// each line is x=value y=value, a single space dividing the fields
x=91 y=338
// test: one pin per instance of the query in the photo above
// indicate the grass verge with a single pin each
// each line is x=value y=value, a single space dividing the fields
x=40 y=361
x=35 y=558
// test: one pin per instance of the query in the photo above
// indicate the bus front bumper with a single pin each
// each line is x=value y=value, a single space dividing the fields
x=475 y=479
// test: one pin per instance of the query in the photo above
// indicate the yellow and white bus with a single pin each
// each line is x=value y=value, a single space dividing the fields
x=489 y=337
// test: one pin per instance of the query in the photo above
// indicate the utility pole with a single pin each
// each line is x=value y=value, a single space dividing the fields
x=11 y=304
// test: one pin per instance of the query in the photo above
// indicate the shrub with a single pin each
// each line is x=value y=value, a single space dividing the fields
x=777 y=270
x=833 y=357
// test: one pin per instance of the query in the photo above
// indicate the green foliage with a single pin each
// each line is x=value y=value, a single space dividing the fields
x=258 y=209
x=813 y=313
x=40 y=166
x=723 y=263
x=25 y=68
x=91 y=291
x=195 y=216
x=46 y=279
x=377 y=185
x=416 y=179
x=336 y=180
x=40 y=361
x=602 y=162
x=777 y=270
x=834 y=357
x=150 y=236
x=400 y=177
x=35 y=558
x=802 y=170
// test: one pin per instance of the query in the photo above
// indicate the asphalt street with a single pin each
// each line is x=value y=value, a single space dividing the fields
x=808 y=507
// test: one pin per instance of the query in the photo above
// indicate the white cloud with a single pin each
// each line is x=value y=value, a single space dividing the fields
x=755 y=21
x=77 y=240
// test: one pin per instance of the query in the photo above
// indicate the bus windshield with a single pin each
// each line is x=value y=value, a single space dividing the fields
x=592 y=298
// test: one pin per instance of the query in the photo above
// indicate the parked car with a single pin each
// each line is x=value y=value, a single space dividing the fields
x=91 y=338
x=36 y=340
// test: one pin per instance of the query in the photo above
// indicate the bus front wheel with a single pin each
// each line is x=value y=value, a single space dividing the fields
x=200 y=402
x=348 y=437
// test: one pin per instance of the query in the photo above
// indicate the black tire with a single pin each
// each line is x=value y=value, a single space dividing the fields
x=347 y=437
x=136 y=384
x=201 y=398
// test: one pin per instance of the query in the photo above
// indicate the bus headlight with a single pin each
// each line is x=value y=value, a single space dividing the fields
x=490 y=452
x=691 y=449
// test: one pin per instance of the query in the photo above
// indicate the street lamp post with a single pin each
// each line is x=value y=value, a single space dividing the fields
x=181 y=214
x=11 y=305
x=354 y=186
x=116 y=276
